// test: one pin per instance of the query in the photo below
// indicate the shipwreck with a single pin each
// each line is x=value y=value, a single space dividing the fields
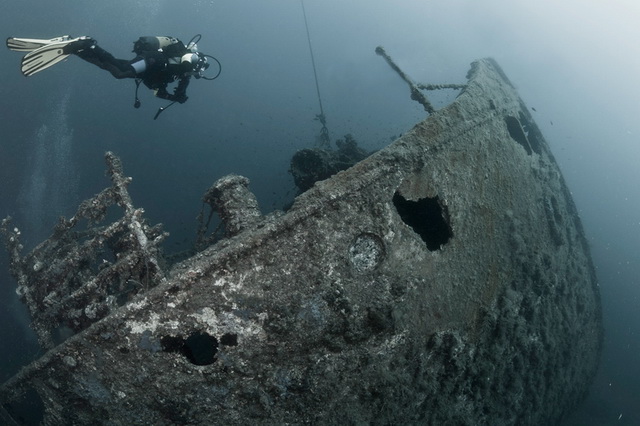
x=445 y=279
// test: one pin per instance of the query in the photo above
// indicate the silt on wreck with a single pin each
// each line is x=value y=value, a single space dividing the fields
x=445 y=279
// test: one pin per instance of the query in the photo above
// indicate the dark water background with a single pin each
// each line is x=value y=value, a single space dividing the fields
x=576 y=63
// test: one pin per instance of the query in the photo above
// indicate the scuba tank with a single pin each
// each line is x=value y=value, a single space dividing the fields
x=155 y=43
x=172 y=48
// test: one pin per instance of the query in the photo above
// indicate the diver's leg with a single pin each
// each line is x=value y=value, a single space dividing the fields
x=94 y=54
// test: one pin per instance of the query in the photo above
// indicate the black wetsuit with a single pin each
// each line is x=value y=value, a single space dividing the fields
x=158 y=73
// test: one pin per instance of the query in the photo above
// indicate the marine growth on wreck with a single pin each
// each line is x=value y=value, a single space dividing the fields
x=444 y=279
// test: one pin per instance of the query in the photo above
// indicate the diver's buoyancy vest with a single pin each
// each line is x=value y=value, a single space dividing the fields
x=171 y=47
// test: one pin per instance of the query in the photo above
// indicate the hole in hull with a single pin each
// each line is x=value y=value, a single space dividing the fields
x=428 y=217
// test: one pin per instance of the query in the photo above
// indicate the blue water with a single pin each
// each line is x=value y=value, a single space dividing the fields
x=576 y=63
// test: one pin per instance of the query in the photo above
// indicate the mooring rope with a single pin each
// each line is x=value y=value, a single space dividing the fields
x=324 y=132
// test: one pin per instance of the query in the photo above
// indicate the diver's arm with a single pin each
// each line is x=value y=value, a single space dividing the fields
x=179 y=93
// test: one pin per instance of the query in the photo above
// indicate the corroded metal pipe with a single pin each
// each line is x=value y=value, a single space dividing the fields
x=235 y=203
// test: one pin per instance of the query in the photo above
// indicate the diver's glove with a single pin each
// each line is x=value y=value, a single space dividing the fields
x=181 y=98
x=176 y=97
x=162 y=93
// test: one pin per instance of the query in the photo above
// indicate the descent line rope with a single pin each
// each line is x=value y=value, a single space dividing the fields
x=324 y=132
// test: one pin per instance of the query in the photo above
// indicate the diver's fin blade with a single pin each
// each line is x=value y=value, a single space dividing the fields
x=44 y=57
x=30 y=44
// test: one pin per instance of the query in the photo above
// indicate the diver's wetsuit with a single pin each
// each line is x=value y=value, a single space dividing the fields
x=152 y=67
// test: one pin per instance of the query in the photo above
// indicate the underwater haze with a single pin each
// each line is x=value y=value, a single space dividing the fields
x=575 y=63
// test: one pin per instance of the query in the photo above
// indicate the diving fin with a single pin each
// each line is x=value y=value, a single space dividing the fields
x=45 y=56
x=29 y=44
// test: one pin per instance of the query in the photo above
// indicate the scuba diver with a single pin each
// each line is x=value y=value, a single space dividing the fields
x=159 y=61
